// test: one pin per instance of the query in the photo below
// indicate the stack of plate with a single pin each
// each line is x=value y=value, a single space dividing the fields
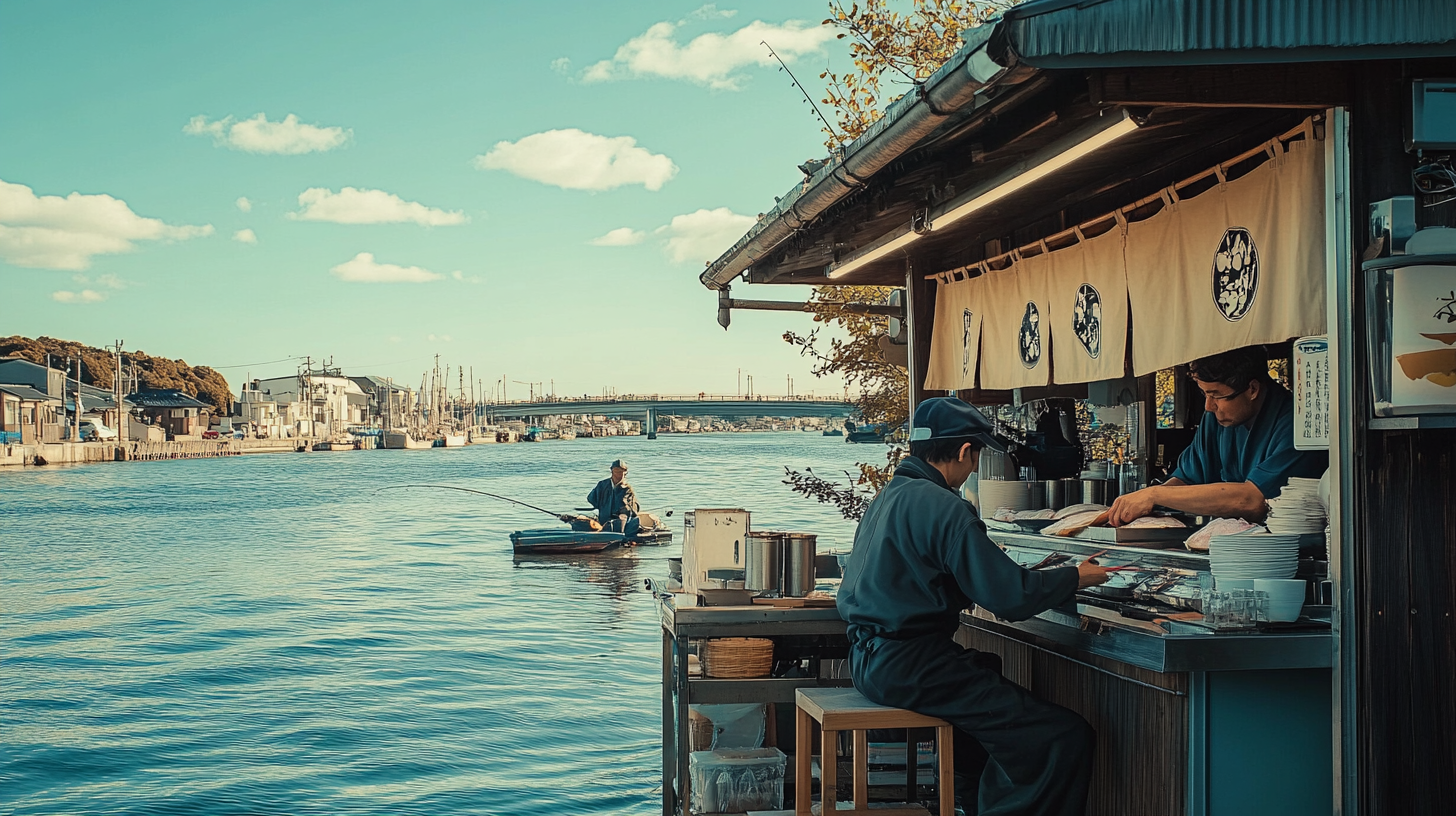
x=1253 y=555
x=998 y=495
x=1297 y=510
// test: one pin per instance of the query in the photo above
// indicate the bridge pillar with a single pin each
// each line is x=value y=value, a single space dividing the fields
x=651 y=423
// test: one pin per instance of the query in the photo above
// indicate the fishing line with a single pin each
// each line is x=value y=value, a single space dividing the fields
x=480 y=492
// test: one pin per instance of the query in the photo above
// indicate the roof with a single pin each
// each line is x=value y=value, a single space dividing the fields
x=1125 y=33
x=25 y=392
x=1044 y=41
x=370 y=381
x=165 y=398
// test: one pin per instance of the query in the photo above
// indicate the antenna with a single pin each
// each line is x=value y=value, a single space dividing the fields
x=783 y=66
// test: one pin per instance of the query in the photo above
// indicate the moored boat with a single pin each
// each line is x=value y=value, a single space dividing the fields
x=450 y=440
x=404 y=440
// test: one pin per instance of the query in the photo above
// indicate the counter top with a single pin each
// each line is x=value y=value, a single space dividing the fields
x=1060 y=630
x=1177 y=558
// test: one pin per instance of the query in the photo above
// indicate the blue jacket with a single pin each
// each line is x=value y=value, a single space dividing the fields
x=921 y=555
x=612 y=500
x=1261 y=452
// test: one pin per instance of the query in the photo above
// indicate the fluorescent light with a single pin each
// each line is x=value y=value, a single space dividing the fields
x=1036 y=167
x=873 y=253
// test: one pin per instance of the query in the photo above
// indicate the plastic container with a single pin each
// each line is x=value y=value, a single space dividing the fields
x=736 y=781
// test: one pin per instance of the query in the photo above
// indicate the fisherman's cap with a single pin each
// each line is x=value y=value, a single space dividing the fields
x=619 y=463
x=950 y=418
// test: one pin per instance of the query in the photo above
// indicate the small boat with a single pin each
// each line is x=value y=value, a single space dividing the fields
x=834 y=432
x=556 y=540
x=333 y=446
x=450 y=440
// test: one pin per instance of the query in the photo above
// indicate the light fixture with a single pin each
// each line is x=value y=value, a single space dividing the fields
x=1055 y=156
x=1037 y=166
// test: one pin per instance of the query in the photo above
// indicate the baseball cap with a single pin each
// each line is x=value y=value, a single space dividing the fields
x=950 y=418
x=621 y=463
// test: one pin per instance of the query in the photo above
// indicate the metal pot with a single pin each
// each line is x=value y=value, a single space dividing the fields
x=798 y=569
x=764 y=565
x=1094 y=491
x=1056 y=494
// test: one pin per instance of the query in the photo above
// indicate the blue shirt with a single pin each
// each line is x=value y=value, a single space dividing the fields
x=1261 y=451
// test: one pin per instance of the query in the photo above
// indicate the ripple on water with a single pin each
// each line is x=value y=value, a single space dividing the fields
x=269 y=635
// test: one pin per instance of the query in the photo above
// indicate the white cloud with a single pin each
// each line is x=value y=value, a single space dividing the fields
x=108 y=281
x=703 y=235
x=711 y=59
x=51 y=232
x=83 y=296
x=463 y=278
x=621 y=236
x=438 y=338
x=561 y=65
x=577 y=160
x=362 y=268
x=258 y=135
x=352 y=206
x=712 y=12
x=245 y=236
x=244 y=204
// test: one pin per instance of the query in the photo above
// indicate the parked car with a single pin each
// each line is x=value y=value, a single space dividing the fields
x=209 y=434
x=93 y=430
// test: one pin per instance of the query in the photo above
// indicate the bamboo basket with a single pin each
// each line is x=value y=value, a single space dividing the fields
x=737 y=657
x=701 y=731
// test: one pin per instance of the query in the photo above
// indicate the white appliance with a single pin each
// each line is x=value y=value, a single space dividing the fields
x=713 y=539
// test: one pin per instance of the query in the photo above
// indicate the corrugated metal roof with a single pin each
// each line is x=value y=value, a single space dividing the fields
x=164 y=398
x=25 y=392
x=1091 y=33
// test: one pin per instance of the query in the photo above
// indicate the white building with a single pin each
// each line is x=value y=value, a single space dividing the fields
x=317 y=403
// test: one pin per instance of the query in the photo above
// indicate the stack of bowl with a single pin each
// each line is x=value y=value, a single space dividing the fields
x=1286 y=597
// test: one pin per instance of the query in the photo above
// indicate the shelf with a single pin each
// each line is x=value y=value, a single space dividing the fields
x=1411 y=423
x=760 y=690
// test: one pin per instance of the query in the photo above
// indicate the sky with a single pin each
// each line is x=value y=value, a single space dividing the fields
x=529 y=190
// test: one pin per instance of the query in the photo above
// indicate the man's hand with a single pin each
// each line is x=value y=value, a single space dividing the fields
x=1132 y=507
x=567 y=517
x=1089 y=574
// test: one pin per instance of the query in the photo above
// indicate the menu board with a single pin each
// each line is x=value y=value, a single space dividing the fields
x=1311 y=374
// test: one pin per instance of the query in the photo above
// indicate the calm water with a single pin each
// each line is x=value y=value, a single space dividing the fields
x=268 y=634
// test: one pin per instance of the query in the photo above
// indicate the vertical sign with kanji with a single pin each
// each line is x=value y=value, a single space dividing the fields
x=1311 y=372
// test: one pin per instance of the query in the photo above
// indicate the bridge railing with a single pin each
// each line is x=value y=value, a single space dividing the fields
x=734 y=398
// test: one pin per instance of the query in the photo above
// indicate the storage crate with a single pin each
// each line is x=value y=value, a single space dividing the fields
x=737 y=781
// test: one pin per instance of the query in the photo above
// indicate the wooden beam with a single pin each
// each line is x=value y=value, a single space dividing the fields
x=1292 y=85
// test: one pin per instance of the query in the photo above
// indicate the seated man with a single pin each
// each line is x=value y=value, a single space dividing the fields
x=1243 y=453
x=615 y=501
x=920 y=556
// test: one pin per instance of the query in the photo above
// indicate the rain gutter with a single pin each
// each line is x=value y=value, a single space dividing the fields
x=908 y=120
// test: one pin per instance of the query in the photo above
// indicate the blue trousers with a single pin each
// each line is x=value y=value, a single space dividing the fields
x=1039 y=754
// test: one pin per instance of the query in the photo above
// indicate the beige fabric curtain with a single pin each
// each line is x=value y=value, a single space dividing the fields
x=955 y=339
x=1240 y=264
x=1088 y=318
x=1015 y=340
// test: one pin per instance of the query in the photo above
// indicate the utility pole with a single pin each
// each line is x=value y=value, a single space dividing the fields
x=120 y=395
x=76 y=414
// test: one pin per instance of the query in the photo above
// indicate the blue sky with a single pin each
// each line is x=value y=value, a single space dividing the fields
x=528 y=189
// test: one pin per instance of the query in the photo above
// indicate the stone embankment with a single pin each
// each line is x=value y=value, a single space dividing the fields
x=78 y=453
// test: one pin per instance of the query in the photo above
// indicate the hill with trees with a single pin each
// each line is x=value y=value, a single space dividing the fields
x=98 y=368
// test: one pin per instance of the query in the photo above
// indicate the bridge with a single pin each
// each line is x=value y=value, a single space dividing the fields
x=648 y=408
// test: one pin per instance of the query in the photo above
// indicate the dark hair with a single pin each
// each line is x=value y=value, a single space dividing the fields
x=1236 y=368
x=946 y=449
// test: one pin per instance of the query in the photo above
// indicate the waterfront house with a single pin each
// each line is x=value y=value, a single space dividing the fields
x=334 y=401
x=28 y=416
x=96 y=403
x=176 y=413
x=387 y=403
x=260 y=411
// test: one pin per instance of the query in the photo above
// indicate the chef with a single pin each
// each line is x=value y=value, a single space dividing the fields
x=920 y=556
x=1243 y=453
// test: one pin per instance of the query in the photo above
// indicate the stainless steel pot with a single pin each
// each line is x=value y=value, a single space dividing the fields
x=1056 y=494
x=764 y=566
x=1094 y=491
x=798 y=569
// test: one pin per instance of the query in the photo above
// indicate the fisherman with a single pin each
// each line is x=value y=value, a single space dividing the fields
x=615 y=502
x=920 y=556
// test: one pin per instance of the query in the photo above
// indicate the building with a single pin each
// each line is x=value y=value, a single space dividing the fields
x=179 y=415
x=333 y=403
x=28 y=416
x=388 y=404
x=96 y=403
x=261 y=412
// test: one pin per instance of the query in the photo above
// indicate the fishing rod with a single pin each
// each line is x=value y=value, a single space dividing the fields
x=480 y=492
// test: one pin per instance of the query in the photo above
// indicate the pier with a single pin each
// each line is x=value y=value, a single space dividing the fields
x=650 y=407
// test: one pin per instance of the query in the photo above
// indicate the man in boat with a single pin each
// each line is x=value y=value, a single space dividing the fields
x=615 y=502
x=920 y=556
x=1243 y=453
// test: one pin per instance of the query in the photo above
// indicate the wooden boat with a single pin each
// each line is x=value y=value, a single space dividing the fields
x=333 y=446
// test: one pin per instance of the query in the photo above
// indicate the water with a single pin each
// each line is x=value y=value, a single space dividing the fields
x=267 y=634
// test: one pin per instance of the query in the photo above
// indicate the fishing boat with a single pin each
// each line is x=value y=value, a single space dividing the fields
x=556 y=540
x=450 y=440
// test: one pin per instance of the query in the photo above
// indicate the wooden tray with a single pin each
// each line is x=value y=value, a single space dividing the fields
x=796 y=603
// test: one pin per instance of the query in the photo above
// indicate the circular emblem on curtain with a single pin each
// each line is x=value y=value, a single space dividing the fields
x=1087 y=319
x=966 y=344
x=1030 y=336
x=1235 y=274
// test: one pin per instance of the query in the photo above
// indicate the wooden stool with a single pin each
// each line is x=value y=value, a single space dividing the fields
x=844 y=709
